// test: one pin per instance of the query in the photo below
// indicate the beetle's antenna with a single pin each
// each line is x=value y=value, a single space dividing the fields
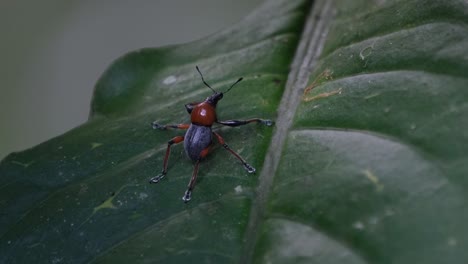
x=204 y=79
x=238 y=81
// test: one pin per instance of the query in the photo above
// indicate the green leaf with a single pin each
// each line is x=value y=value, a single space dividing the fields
x=382 y=140
x=367 y=167
x=85 y=196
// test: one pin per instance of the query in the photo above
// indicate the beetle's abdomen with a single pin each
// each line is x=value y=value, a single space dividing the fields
x=203 y=114
x=197 y=139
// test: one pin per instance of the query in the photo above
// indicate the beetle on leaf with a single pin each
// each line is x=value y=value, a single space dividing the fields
x=199 y=137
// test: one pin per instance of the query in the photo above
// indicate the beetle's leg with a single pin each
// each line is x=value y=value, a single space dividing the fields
x=247 y=166
x=156 y=125
x=234 y=123
x=188 y=193
x=171 y=142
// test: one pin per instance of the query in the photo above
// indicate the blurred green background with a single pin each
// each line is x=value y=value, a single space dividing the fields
x=52 y=53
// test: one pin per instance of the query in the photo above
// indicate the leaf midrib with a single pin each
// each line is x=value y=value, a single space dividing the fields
x=309 y=49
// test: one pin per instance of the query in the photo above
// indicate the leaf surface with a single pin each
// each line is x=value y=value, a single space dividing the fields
x=374 y=166
x=368 y=166
x=84 y=196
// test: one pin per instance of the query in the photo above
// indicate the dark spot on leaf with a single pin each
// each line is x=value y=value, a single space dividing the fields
x=276 y=81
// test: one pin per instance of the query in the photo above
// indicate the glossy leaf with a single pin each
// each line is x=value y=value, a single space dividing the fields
x=382 y=140
x=85 y=196
x=370 y=167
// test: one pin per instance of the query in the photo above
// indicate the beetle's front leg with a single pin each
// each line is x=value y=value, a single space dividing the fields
x=234 y=123
x=171 y=142
x=156 y=125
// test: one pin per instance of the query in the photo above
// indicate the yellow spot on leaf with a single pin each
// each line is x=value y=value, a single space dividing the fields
x=371 y=96
x=366 y=52
x=95 y=145
x=323 y=95
x=326 y=75
x=135 y=216
x=25 y=165
x=107 y=204
x=369 y=175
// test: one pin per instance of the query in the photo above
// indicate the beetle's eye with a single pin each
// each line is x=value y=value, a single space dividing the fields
x=189 y=108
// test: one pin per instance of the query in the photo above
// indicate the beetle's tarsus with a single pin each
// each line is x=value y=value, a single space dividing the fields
x=187 y=196
x=249 y=168
x=156 y=179
x=267 y=122
x=156 y=125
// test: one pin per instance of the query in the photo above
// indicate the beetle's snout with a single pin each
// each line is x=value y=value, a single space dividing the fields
x=213 y=99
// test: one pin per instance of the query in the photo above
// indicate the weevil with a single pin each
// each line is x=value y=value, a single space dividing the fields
x=198 y=139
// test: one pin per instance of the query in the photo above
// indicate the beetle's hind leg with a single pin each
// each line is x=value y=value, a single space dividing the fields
x=247 y=166
x=188 y=193
x=171 y=142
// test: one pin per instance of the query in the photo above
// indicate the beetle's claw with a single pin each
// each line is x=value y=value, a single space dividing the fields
x=267 y=122
x=187 y=196
x=249 y=168
x=156 y=179
x=156 y=125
